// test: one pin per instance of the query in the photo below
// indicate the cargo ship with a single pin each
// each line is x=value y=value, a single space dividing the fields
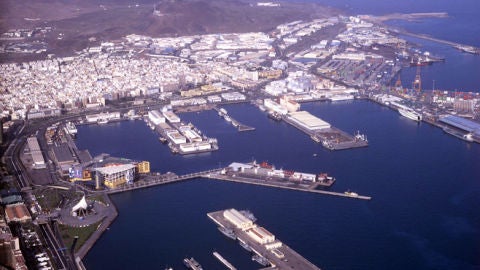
x=192 y=264
x=228 y=232
x=410 y=114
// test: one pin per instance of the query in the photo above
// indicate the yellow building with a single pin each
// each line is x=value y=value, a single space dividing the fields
x=143 y=167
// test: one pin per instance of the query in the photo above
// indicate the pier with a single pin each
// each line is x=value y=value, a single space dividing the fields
x=331 y=138
x=265 y=183
x=240 y=127
x=277 y=254
x=216 y=174
x=156 y=180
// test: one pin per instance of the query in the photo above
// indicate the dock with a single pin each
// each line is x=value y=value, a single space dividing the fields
x=224 y=261
x=277 y=254
x=332 y=138
x=275 y=184
x=240 y=127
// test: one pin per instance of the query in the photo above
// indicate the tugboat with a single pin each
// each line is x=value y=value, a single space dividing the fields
x=228 y=232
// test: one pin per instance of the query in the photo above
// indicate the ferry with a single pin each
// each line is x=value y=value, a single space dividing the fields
x=228 y=232
x=464 y=136
x=71 y=129
x=192 y=264
x=351 y=194
x=102 y=121
x=341 y=97
x=410 y=114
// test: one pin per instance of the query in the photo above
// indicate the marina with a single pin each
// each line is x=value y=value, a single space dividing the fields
x=268 y=250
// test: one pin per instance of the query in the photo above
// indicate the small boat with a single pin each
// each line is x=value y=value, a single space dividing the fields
x=351 y=194
x=245 y=246
x=228 y=232
x=192 y=264
x=102 y=121
x=261 y=260
x=248 y=215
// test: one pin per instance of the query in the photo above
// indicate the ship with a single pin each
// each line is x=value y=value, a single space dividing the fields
x=71 y=129
x=248 y=215
x=464 y=136
x=351 y=194
x=261 y=260
x=410 y=113
x=245 y=246
x=192 y=264
x=228 y=232
x=102 y=121
x=274 y=115
x=468 y=49
x=342 y=97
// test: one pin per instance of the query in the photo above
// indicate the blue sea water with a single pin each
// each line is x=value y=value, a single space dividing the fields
x=425 y=184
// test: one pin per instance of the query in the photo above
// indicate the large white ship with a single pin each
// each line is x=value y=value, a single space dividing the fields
x=411 y=114
x=71 y=129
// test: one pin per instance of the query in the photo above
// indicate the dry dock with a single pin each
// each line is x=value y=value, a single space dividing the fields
x=279 y=255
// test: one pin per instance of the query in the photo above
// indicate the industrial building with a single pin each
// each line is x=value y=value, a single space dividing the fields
x=156 y=117
x=115 y=175
x=274 y=106
x=109 y=171
x=176 y=137
x=308 y=121
x=36 y=152
x=261 y=235
x=238 y=219
x=171 y=117
x=462 y=123
x=17 y=213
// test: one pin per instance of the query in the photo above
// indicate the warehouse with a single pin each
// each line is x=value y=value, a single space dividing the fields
x=238 y=219
x=308 y=121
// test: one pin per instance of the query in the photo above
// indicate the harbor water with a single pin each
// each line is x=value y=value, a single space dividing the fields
x=424 y=183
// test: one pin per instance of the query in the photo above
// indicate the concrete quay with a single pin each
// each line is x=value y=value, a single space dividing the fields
x=284 y=256
x=240 y=127
x=331 y=138
x=254 y=181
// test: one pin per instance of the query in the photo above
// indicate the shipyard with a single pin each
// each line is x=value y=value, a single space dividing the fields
x=56 y=190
